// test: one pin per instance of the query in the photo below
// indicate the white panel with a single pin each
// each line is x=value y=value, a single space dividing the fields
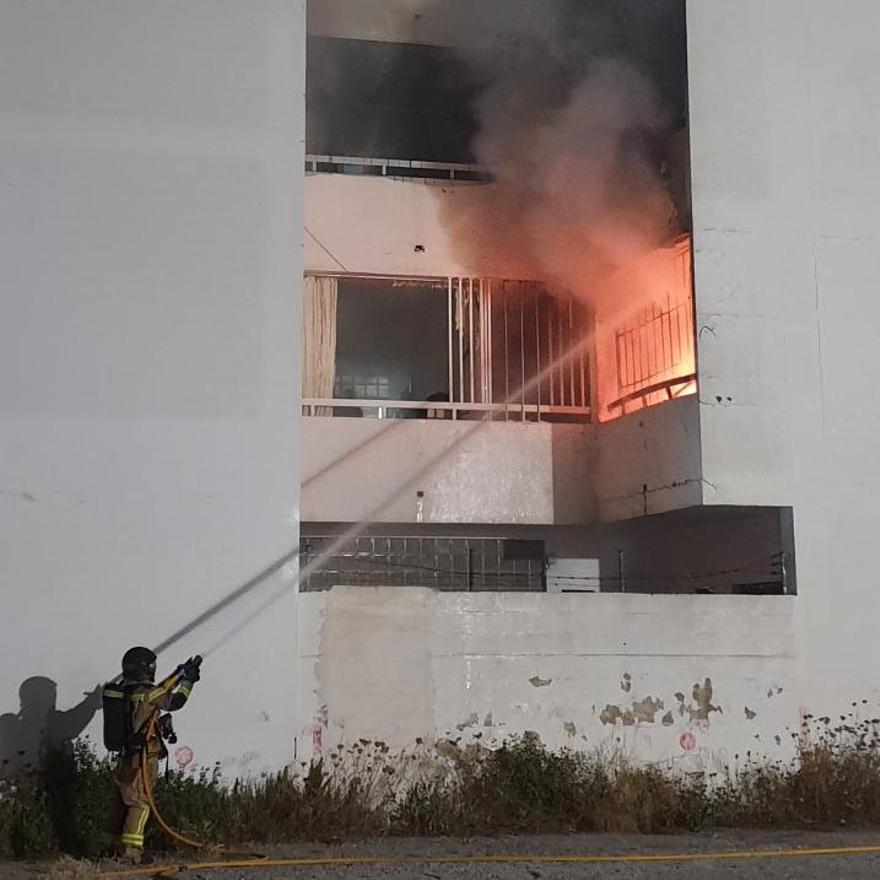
x=573 y=575
x=151 y=210
x=786 y=202
x=649 y=462
x=392 y=219
x=483 y=472
x=627 y=673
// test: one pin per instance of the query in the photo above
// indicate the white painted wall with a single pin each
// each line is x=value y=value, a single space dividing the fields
x=396 y=664
x=491 y=472
x=391 y=21
x=470 y=472
x=373 y=225
x=785 y=137
x=151 y=181
x=649 y=461
x=383 y=20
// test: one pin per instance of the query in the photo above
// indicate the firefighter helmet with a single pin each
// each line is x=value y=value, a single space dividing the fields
x=139 y=664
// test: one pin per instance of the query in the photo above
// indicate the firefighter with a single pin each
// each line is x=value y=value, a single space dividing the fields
x=132 y=725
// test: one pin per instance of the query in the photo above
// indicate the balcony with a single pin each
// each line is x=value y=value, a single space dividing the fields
x=454 y=348
x=441 y=386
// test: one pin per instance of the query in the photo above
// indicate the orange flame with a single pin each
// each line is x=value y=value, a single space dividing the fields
x=645 y=339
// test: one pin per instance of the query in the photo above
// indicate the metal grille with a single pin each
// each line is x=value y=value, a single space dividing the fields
x=657 y=345
x=369 y=387
x=501 y=336
x=505 y=333
x=396 y=168
x=443 y=563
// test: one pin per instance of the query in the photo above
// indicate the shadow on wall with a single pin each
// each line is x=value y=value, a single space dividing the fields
x=38 y=726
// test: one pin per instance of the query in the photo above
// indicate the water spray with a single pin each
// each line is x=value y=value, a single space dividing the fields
x=356 y=530
x=359 y=528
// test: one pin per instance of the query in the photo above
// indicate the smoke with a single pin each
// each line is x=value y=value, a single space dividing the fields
x=571 y=125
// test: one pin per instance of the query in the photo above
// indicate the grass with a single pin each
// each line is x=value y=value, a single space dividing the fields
x=365 y=790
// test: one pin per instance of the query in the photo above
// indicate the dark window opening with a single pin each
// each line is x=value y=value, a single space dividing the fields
x=388 y=100
x=704 y=550
x=391 y=343
x=711 y=551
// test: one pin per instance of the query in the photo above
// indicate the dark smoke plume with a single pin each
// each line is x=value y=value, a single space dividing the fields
x=573 y=123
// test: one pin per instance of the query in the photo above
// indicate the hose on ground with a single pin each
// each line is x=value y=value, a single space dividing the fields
x=499 y=859
x=160 y=821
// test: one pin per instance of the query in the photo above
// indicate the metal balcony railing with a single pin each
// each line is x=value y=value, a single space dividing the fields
x=513 y=353
x=449 y=563
x=396 y=168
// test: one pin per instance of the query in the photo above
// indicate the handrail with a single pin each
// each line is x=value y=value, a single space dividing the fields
x=665 y=385
x=403 y=163
x=456 y=406
x=407 y=168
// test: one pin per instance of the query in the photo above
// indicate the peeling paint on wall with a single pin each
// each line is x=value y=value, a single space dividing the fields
x=642 y=712
x=420 y=650
x=702 y=696
x=472 y=720
x=701 y=707
x=646 y=710
x=611 y=714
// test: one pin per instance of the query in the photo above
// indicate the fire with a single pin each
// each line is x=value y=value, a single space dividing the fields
x=645 y=335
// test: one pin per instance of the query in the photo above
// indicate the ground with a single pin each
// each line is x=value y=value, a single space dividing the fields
x=417 y=858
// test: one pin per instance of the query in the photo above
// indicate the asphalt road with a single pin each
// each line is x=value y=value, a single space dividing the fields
x=423 y=859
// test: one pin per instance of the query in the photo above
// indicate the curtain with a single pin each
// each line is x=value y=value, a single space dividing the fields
x=319 y=340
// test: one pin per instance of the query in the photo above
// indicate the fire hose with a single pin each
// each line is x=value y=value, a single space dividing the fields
x=152 y=733
x=743 y=855
x=252 y=860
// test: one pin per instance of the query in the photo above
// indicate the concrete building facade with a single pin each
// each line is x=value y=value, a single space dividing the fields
x=783 y=243
x=151 y=214
x=677 y=567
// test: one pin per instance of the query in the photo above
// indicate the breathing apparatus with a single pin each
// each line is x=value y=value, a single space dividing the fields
x=138 y=669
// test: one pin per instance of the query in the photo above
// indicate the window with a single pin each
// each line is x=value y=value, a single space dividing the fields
x=362 y=387
x=452 y=348
x=394 y=100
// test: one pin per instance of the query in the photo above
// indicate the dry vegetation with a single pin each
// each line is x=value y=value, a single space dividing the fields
x=365 y=790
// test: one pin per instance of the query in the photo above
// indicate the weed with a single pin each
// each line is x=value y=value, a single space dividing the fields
x=26 y=831
x=450 y=789
x=78 y=789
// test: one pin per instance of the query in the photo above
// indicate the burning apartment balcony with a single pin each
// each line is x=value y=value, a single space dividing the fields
x=397 y=346
x=405 y=352
x=645 y=335
x=525 y=273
